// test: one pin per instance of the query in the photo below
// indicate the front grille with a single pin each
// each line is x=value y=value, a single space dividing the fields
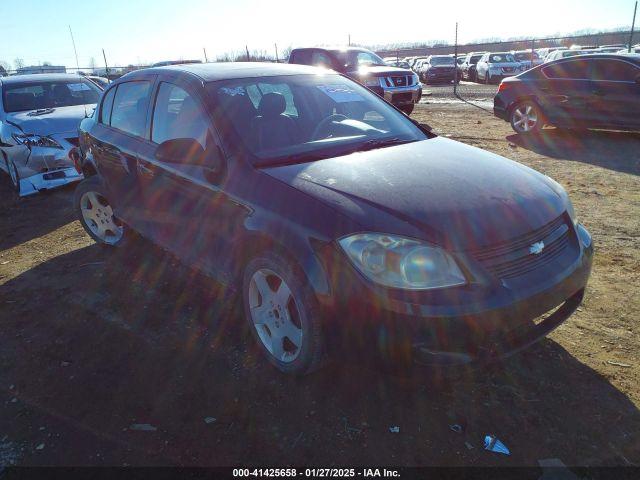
x=507 y=69
x=399 y=81
x=514 y=258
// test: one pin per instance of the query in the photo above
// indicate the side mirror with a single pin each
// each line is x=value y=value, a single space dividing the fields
x=180 y=150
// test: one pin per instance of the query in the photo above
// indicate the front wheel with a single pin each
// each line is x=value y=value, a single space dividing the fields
x=526 y=118
x=408 y=108
x=282 y=314
x=96 y=214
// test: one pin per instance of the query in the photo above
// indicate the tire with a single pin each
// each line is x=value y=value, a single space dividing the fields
x=12 y=170
x=526 y=118
x=283 y=314
x=96 y=214
x=407 y=108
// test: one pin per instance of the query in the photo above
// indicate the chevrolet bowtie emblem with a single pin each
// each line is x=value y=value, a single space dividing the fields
x=536 y=248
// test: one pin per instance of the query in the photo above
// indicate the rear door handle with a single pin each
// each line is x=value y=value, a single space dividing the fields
x=598 y=92
x=145 y=168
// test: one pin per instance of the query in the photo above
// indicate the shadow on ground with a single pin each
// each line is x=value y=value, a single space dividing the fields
x=32 y=223
x=135 y=338
x=619 y=151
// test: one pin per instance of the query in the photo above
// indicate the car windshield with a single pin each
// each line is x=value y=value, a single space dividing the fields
x=441 y=61
x=501 y=58
x=299 y=118
x=524 y=56
x=475 y=59
x=18 y=97
x=357 y=58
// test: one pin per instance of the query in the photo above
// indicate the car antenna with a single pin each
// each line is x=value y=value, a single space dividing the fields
x=75 y=51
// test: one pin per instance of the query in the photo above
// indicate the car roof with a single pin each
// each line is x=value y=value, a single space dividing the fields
x=211 y=72
x=39 y=78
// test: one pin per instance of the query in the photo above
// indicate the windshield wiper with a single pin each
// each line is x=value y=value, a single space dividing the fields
x=41 y=111
x=380 y=143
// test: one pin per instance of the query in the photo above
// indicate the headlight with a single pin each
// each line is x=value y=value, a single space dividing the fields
x=571 y=211
x=371 y=82
x=402 y=262
x=32 y=140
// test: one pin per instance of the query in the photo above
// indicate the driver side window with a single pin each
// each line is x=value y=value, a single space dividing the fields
x=177 y=114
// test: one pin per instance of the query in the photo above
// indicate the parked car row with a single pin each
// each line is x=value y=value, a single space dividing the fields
x=585 y=91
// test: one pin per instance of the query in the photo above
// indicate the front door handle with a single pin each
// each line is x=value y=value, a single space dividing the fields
x=145 y=169
x=598 y=92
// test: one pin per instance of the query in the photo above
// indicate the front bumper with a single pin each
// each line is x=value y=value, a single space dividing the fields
x=399 y=95
x=45 y=168
x=48 y=180
x=452 y=328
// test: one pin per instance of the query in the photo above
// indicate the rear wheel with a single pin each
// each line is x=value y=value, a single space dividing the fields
x=96 y=213
x=526 y=118
x=406 y=108
x=282 y=314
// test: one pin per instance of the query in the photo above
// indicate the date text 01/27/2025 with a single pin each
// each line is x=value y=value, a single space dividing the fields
x=315 y=472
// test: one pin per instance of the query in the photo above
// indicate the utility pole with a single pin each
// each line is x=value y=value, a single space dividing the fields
x=74 y=49
x=349 y=37
x=106 y=67
x=276 y=45
x=455 y=64
x=633 y=24
x=246 y=47
x=533 y=43
x=206 y=60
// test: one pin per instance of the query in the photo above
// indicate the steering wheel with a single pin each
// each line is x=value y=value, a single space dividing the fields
x=324 y=123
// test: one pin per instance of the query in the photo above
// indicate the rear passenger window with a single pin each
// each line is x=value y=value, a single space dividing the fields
x=129 y=112
x=575 y=70
x=614 y=71
x=321 y=59
x=107 y=104
x=301 y=57
x=177 y=115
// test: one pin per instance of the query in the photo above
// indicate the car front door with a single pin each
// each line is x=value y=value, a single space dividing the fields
x=115 y=141
x=185 y=209
x=616 y=92
x=565 y=92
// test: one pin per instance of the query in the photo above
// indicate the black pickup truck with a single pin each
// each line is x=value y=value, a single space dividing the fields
x=398 y=86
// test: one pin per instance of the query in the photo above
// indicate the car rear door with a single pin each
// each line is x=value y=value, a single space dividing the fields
x=115 y=141
x=565 y=92
x=616 y=92
x=185 y=209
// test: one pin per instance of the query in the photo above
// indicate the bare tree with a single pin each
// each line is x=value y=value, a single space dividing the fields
x=18 y=63
x=4 y=68
x=46 y=63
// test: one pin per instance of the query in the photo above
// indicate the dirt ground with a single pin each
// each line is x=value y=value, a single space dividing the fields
x=93 y=341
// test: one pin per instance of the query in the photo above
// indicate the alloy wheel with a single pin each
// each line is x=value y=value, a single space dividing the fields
x=525 y=118
x=275 y=315
x=98 y=216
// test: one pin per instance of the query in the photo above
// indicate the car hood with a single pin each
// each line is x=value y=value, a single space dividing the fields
x=450 y=193
x=60 y=120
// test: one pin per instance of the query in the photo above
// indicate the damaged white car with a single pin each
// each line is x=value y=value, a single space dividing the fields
x=39 y=118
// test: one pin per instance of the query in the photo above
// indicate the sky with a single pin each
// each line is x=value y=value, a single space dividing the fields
x=145 y=31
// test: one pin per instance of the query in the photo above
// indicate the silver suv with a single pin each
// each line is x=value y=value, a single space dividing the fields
x=493 y=67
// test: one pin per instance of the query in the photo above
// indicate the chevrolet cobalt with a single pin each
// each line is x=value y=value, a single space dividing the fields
x=342 y=223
